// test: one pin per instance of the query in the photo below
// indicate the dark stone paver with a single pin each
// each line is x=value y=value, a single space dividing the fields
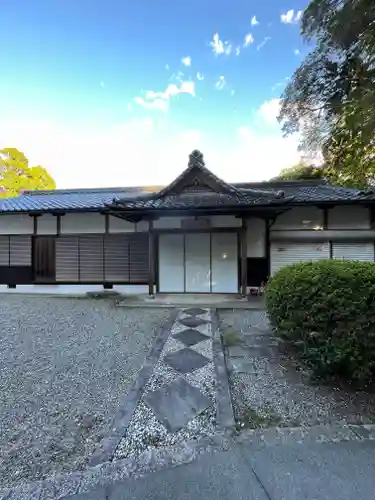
x=177 y=403
x=191 y=337
x=186 y=360
x=193 y=322
x=194 y=311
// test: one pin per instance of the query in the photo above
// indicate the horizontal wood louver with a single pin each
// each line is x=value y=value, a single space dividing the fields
x=91 y=263
x=4 y=250
x=67 y=259
x=116 y=258
x=20 y=250
x=353 y=251
x=139 y=259
x=283 y=254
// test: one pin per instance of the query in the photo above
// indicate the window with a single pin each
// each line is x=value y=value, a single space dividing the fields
x=44 y=258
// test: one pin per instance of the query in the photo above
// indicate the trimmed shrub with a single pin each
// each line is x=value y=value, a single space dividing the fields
x=328 y=307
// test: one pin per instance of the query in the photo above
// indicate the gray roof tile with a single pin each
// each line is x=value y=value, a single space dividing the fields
x=245 y=194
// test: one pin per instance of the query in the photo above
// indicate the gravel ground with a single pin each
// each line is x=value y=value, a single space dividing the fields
x=65 y=364
x=272 y=389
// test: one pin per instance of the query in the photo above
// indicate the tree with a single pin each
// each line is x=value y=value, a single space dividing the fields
x=16 y=175
x=330 y=100
x=301 y=171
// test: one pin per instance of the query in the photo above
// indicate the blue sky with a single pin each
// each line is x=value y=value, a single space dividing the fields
x=118 y=93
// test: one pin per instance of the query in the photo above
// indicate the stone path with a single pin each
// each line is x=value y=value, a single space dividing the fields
x=178 y=402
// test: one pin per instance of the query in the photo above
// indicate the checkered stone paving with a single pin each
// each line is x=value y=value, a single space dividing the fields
x=186 y=360
x=195 y=311
x=178 y=402
x=190 y=337
x=193 y=322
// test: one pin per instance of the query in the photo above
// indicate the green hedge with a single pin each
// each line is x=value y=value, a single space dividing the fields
x=328 y=307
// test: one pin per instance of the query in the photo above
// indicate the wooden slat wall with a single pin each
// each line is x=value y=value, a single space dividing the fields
x=102 y=258
x=139 y=262
x=67 y=259
x=116 y=257
x=20 y=250
x=91 y=264
x=4 y=250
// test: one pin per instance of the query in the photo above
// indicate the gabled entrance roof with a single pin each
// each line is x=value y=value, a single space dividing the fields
x=198 y=187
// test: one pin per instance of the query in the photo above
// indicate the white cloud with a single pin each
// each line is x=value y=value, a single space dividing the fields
x=143 y=152
x=266 y=154
x=263 y=42
x=238 y=50
x=254 y=21
x=166 y=66
x=159 y=104
x=160 y=100
x=249 y=39
x=296 y=52
x=102 y=84
x=200 y=77
x=186 y=61
x=289 y=17
x=219 y=46
x=220 y=84
x=269 y=111
x=187 y=88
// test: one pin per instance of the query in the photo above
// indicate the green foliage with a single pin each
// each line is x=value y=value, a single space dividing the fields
x=300 y=172
x=330 y=307
x=16 y=175
x=330 y=100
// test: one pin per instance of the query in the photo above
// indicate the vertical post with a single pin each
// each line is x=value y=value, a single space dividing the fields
x=151 y=259
x=243 y=258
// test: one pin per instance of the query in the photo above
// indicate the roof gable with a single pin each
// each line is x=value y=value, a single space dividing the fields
x=196 y=178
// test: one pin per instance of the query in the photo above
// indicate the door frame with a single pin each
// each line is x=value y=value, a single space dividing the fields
x=158 y=232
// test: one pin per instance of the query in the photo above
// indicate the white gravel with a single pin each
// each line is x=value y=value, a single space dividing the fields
x=66 y=364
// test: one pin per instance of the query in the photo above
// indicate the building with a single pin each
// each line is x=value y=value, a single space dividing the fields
x=196 y=235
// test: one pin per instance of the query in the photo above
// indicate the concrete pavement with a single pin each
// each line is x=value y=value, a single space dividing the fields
x=344 y=470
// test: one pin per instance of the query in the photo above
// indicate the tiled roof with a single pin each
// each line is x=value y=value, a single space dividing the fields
x=149 y=197
x=67 y=199
x=201 y=200
x=311 y=191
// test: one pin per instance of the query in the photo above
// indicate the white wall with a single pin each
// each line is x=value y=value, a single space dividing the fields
x=47 y=224
x=16 y=224
x=299 y=218
x=256 y=237
x=82 y=223
x=205 y=222
x=168 y=223
x=117 y=225
x=348 y=217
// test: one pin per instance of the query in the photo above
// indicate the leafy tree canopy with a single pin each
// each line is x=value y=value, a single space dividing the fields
x=300 y=171
x=16 y=175
x=330 y=100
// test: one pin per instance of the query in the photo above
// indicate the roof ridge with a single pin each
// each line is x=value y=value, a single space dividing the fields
x=37 y=192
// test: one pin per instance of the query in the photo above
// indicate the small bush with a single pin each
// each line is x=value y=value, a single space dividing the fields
x=330 y=307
